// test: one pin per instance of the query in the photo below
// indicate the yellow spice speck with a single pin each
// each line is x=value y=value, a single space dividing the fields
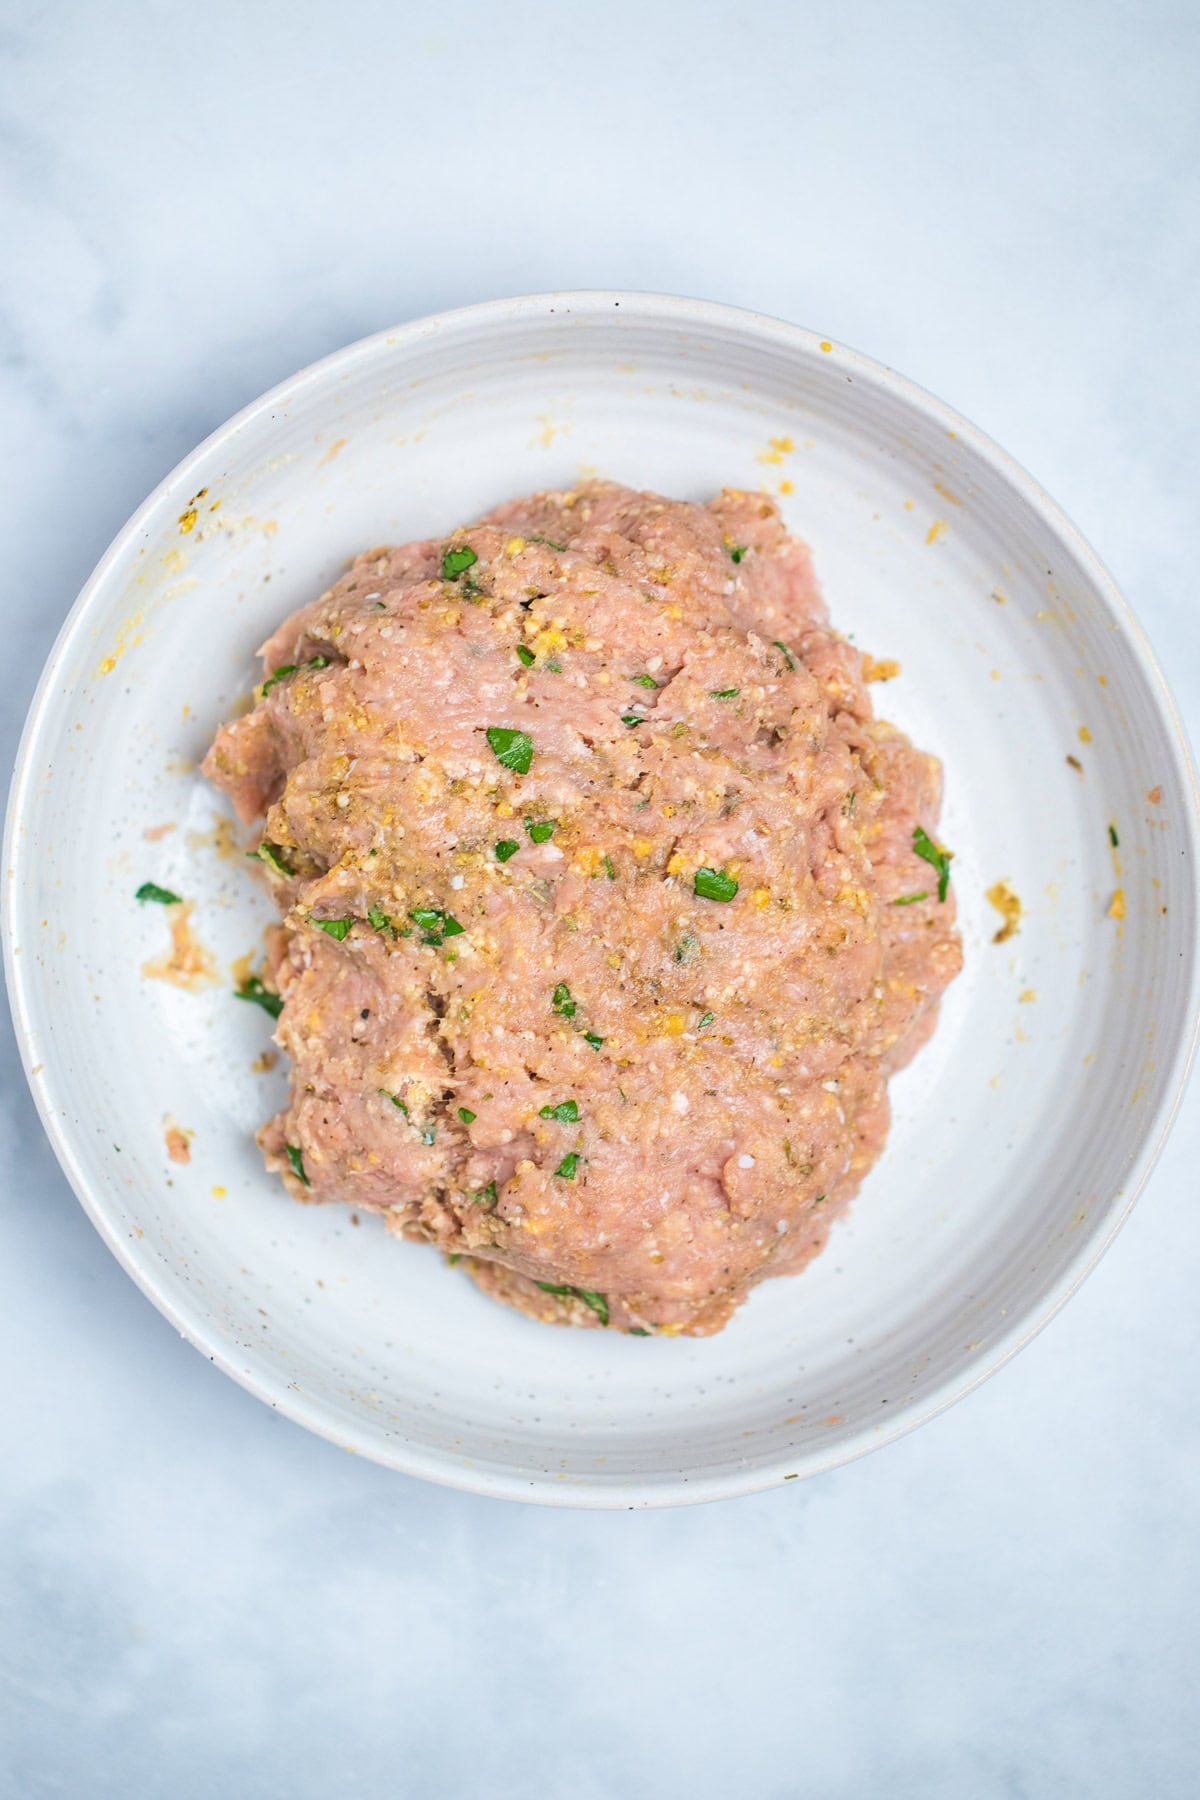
x=1116 y=906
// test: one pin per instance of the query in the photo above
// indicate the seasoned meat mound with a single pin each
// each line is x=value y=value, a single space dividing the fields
x=608 y=905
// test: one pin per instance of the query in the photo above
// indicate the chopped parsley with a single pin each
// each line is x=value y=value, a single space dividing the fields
x=687 y=947
x=554 y=667
x=454 y=1259
x=336 y=928
x=457 y=562
x=435 y=925
x=925 y=847
x=525 y=655
x=597 y=1302
x=909 y=899
x=395 y=1100
x=255 y=990
x=150 y=890
x=541 y=830
x=505 y=848
x=820 y=1200
x=608 y=868
x=378 y=920
x=512 y=748
x=632 y=719
x=737 y=551
x=788 y=658
x=489 y=1193
x=285 y=669
x=297 y=1162
x=269 y=854
x=566 y=1112
x=715 y=884
x=589 y=1037
x=639 y=1331
x=567 y=1167
x=723 y=693
x=1113 y=839
x=466 y=1115
x=646 y=681
x=706 y=1020
x=549 y=543
x=851 y=797
x=562 y=1002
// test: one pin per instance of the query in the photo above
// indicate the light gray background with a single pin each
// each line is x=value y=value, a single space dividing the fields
x=196 y=1598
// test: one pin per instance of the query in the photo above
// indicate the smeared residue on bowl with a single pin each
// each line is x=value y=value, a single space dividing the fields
x=189 y=964
x=178 y=1143
x=1007 y=903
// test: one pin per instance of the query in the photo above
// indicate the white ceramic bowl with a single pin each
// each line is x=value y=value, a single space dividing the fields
x=1021 y=1135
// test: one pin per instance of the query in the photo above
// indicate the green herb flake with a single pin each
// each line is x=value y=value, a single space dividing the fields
x=608 y=868
x=150 y=890
x=297 y=1162
x=466 y=1115
x=269 y=856
x=505 y=848
x=488 y=1194
x=589 y=1037
x=788 y=658
x=909 y=899
x=687 y=947
x=457 y=562
x=395 y=1099
x=597 y=1302
x=554 y=667
x=378 y=920
x=851 y=798
x=541 y=830
x=566 y=1112
x=454 y=1258
x=639 y=1331
x=820 y=1200
x=549 y=543
x=278 y=674
x=435 y=924
x=562 y=1002
x=646 y=681
x=525 y=655
x=567 y=1167
x=925 y=847
x=724 y=693
x=632 y=719
x=737 y=551
x=336 y=928
x=254 y=990
x=1113 y=839
x=285 y=669
x=706 y=1020
x=512 y=748
x=714 y=884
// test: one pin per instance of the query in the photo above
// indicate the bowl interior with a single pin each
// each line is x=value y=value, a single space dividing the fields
x=1019 y=1133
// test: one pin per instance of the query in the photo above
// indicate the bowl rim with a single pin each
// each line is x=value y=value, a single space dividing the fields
x=441 y=1467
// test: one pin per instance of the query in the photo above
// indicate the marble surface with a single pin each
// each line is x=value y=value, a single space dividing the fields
x=198 y=1599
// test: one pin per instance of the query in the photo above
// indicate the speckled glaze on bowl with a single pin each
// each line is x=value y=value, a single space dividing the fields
x=1021 y=1135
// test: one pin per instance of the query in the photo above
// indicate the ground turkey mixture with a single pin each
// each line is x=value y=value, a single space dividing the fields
x=608 y=905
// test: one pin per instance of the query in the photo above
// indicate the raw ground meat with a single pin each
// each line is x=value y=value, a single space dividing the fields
x=509 y=778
